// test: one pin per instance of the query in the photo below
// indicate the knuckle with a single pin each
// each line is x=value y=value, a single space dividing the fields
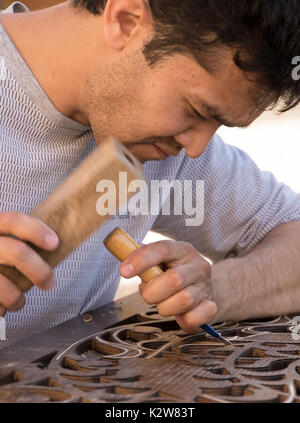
x=20 y=304
x=138 y=258
x=211 y=309
x=43 y=275
x=15 y=301
x=188 y=322
x=204 y=269
x=7 y=218
x=186 y=300
x=147 y=297
x=188 y=247
x=175 y=278
x=20 y=251
x=166 y=248
x=142 y=257
x=162 y=311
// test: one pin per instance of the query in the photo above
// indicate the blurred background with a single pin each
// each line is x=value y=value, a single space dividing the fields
x=273 y=141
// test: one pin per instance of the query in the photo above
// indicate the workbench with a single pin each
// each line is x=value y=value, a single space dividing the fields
x=101 y=357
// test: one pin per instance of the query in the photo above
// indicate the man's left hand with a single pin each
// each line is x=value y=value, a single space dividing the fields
x=184 y=290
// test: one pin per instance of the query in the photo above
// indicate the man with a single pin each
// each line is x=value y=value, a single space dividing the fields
x=162 y=77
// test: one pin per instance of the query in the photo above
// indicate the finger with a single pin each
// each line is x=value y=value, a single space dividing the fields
x=11 y=297
x=138 y=261
x=175 y=280
x=192 y=320
x=184 y=301
x=27 y=261
x=28 y=228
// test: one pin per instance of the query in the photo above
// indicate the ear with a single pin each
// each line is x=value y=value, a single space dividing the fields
x=124 y=20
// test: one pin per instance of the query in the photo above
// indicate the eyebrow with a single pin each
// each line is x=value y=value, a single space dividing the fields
x=219 y=117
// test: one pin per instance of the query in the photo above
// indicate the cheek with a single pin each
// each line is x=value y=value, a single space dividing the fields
x=137 y=117
x=167 y=122
x=166 y=110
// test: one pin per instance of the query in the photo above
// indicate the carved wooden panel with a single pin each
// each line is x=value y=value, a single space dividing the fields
x=81 y=361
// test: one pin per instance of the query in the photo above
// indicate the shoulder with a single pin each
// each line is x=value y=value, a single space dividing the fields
x=218 y=158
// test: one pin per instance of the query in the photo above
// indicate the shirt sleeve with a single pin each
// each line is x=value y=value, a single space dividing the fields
x=242 y=203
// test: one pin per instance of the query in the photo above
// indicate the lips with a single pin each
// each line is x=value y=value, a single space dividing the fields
x=161 y=152
x=169 y=148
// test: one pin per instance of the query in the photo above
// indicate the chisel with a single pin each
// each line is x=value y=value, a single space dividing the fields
x=120 y=244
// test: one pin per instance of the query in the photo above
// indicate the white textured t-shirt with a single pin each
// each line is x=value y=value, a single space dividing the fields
x=39 y=147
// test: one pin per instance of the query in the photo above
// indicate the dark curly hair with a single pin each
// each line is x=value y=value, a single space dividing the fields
x=264 y=33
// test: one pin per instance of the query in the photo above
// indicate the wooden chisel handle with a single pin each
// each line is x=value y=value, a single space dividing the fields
x=120 y=244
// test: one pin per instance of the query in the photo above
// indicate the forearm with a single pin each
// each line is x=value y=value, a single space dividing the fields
x=264 y=283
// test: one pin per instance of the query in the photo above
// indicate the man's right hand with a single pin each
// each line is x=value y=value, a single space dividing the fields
x=15 y=252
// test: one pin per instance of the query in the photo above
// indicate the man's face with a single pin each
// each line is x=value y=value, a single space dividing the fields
x=176 y=104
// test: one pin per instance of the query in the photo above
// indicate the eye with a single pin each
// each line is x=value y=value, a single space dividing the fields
x=196 y=113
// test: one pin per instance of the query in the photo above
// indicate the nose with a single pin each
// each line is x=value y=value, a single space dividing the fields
x=196 y=139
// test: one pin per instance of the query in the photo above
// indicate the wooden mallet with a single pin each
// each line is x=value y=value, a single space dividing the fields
x=71 y=209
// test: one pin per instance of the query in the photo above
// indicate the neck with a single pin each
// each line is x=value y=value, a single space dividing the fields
x=60 y=47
